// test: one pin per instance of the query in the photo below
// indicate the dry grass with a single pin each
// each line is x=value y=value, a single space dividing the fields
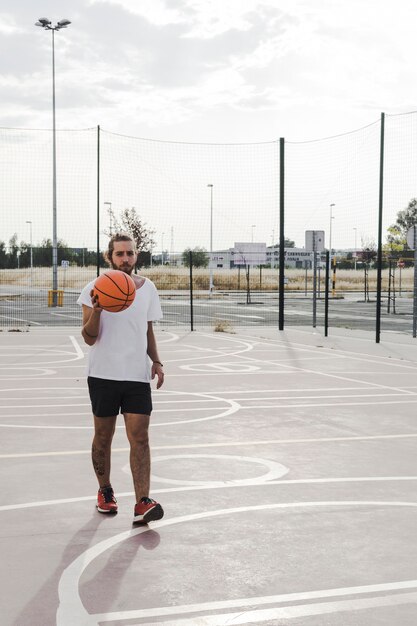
x=172 y=278
x=223 y=326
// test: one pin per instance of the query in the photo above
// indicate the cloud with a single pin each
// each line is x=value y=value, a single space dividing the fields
x=8 y=25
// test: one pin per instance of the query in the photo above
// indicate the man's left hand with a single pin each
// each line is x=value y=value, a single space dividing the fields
x=158 y=370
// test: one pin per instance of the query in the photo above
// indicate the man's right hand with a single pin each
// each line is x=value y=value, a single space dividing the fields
x=95 y=301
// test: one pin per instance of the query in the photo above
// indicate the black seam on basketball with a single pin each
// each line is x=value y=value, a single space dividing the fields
x=114 y=283
x=109 y=296
x=129 y=293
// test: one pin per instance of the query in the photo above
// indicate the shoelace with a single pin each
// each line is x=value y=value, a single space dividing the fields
x=108 y=494
x=147 y=500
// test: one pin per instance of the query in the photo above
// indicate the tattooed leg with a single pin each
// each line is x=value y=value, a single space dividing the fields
x=101 y=448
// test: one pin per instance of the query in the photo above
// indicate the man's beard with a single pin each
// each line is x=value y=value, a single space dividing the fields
x=126 y=269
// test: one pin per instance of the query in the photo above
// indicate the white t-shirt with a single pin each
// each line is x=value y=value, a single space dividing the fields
x=120 y=351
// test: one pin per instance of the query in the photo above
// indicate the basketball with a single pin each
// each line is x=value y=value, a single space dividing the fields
x=115 y=291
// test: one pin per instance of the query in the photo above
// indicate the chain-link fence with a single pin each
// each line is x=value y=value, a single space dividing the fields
x=208 y=197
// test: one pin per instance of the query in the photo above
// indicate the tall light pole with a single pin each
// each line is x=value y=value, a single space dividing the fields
x=211 y=239
x=252 y=227
x=162 y=249
x=46 y=24
x=31 y=253
x=110 y=216
x=355 y=229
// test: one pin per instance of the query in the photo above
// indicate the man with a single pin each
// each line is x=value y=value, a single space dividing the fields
x=123 y=359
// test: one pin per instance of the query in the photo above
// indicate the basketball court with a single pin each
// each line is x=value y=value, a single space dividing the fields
x=285 y=463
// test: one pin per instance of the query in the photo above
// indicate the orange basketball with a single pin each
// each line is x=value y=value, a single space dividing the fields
x=115 y=290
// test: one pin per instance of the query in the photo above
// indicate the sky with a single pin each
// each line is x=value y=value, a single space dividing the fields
x=211 y=71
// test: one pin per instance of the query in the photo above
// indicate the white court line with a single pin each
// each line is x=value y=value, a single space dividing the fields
x=53 y=388
x=232 y=409
x=388 y=360
x=285 y=343
x=215 y=352
x=193 y=401
x=300 y=610
x=19 y=319
x=17 y=351
x=196 y=446
x=275 y=470
x=326 y=374
x=73 y=317
x=183 y=375
x=178 y=410
x=79 y=352
x=72 y=611
x=168 y=490
x=161 y=338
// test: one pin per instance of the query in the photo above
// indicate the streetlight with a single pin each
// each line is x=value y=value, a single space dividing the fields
x=31 y=253
x=162 y=249
x=45 y=23
x=110 y=216
x=253 y=226
x=355 y=229
x=211 y=239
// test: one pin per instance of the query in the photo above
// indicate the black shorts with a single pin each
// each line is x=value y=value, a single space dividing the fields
x=109 y=397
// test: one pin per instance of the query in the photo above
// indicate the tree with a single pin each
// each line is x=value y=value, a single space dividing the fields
x=13 y=251
x=200 y=257
x=407 y=217
x=397 y=233
x=396 y=241
x=3 y=255
x=288 y=243
x=131 y=222
x=369 y=251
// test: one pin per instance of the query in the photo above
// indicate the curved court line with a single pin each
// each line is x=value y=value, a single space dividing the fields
x=276 y=470
x=129 y=494
x=72 y=611
x=331 y=350
x=215 y=353
x=174 y=337
x=373 y=358
x=233 y=407
x=295 y=368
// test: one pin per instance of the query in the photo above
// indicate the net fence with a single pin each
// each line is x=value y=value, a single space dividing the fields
x=209 y=198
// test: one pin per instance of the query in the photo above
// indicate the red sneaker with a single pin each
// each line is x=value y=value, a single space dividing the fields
x=147 y=510
x=106 y=502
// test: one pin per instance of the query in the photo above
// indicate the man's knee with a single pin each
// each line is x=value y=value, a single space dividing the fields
x=138 y=437
x=137 y=430
x=103 y=433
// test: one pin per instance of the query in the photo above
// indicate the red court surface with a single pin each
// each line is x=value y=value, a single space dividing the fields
x=286 y=464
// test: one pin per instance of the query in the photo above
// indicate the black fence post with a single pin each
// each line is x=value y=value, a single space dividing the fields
x=281 y=234
x=191 y=292
x=379 y=257
x=98 y=200
x=326 y=295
